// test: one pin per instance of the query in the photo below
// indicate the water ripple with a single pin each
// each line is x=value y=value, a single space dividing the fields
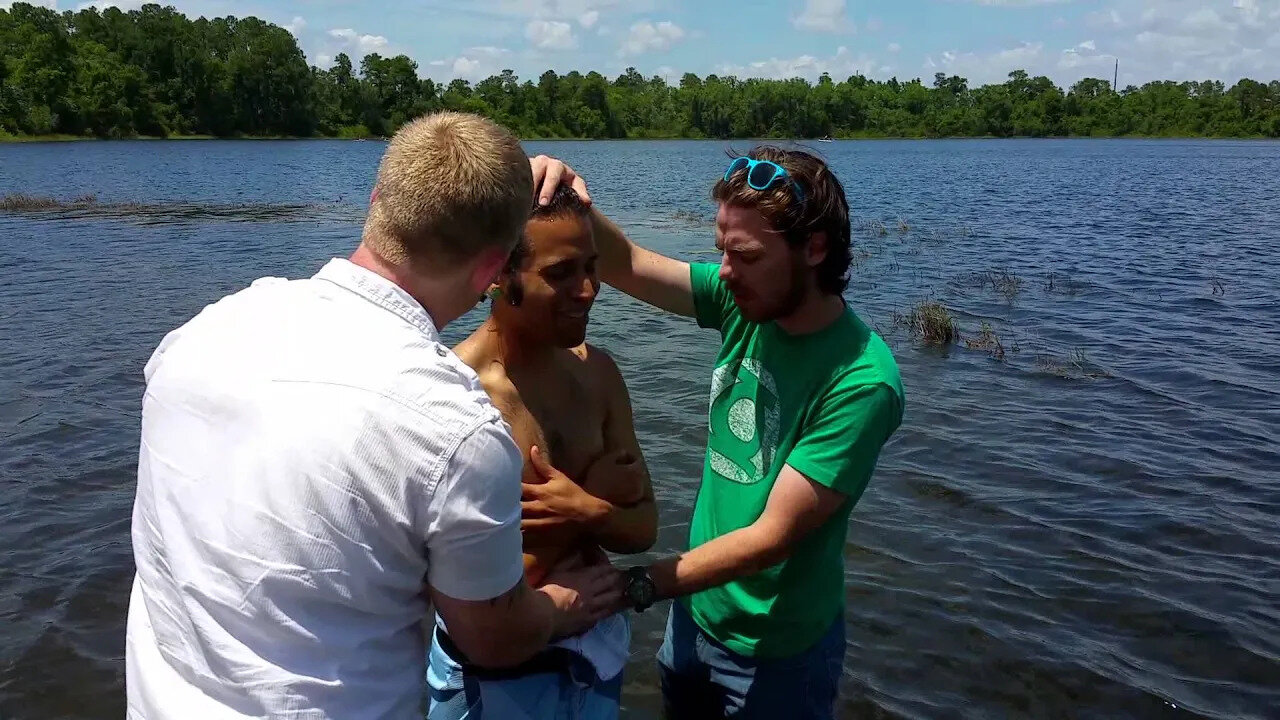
x=1086 y=528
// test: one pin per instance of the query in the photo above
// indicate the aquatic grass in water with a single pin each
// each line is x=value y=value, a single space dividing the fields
x=987 y=340
x=1001 y=282
x=19 y=202
x=87 y=206
x=1060 y=284
x=692 y=218
x=1076 y=367
x=931 y=323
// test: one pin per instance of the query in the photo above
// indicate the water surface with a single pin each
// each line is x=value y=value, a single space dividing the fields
x=1086 y=528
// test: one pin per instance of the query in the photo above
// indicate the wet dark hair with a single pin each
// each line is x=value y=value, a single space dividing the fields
x=820 y=207
x=565 y=203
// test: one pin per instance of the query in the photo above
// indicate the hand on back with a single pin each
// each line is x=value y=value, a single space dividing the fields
x=583 y=593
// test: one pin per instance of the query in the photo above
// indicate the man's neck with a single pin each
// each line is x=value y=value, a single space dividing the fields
x=817 y=312
x=512 y=348
x=433 y=296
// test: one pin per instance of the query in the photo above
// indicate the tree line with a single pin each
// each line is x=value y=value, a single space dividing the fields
x=155 y=72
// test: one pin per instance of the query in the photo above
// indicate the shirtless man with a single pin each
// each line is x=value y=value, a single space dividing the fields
x=568 y=408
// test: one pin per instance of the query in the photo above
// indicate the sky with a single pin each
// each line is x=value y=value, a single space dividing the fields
x=982 y=40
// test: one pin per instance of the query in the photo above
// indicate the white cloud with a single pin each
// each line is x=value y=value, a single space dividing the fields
x=550 y=35
x=1105 y=19
x=1197 y=39
x=324 y=62
x=589 y=18
x=647 y=36
x=823 y=16
x=1167 y=40
x=122 y=5
x=1015 y=3
x=1086 y=46
x=361 y=44
x=894 y=48
x=474 y=63
x=840 y=66
x=51 y=4
x=1250 y=9
x=296 y=25
x=985 y=68
x=562 y=8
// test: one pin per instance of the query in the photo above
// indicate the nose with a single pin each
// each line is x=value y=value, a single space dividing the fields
x=726 y=272
x=588 y=289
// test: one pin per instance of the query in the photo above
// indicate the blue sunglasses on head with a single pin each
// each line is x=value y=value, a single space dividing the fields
x=762 y=174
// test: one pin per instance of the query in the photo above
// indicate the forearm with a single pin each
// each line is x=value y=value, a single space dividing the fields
x=504 y=631
x=627 y=530
x=645 y=275
x=729 y=557
x=614 y=263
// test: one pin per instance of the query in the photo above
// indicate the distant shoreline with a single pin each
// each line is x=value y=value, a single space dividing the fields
x=24 y=139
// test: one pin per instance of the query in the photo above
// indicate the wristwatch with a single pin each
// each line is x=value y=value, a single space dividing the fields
x=640 y=588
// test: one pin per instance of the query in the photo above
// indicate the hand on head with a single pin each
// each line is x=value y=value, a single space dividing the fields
x=549 y=173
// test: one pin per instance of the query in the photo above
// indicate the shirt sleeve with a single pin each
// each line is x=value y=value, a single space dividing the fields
x=473 y=542
x=712 y=301
x=841 y=443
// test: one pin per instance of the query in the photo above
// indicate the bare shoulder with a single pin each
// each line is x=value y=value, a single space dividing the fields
x=604 y=374
x=471 y=351
x=598 y=363
x=493 y=376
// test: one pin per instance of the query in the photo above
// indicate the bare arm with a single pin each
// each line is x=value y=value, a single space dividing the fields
x=630 y=527
x=796 y=507
x=511 y=628
x=472 y=540
x=643 y=274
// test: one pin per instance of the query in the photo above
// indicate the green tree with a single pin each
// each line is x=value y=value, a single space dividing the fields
x=154 y=71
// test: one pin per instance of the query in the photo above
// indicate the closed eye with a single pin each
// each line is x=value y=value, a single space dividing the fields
x=559 y=271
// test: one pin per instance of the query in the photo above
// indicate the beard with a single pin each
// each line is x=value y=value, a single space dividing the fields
x=786 y=303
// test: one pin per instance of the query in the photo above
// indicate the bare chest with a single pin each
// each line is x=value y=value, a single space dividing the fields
x=563 y=414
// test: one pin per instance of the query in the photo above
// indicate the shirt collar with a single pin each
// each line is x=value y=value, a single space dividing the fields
x=379 y=291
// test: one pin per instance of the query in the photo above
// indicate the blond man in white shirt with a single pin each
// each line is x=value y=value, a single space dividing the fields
x=311 y=452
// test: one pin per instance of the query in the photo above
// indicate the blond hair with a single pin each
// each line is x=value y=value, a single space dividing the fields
x=450 y=185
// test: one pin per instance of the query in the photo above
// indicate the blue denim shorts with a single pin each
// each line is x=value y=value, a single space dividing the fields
x=573 y=692
x=703 y=679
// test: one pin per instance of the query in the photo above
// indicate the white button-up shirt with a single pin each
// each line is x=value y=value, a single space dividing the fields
x=310 y=453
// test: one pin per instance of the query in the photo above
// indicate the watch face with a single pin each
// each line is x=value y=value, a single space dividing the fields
x=641 y=588
x=642 y=591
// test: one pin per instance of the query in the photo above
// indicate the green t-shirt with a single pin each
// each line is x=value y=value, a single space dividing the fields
x=823 y=403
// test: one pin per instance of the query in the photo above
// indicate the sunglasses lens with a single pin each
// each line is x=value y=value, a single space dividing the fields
x=736 y=165
x=762 y=176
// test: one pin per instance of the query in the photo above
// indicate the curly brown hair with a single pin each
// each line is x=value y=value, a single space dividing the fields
x=820 y=206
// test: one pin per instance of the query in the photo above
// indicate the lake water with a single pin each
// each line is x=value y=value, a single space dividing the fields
x=1085 y=528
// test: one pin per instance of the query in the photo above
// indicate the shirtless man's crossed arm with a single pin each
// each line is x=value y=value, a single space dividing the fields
x=586 y=484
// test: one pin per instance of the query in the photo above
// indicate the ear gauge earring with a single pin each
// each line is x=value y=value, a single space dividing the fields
x=493 y=293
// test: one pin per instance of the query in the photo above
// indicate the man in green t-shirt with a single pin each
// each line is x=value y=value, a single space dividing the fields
x=803 y=396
